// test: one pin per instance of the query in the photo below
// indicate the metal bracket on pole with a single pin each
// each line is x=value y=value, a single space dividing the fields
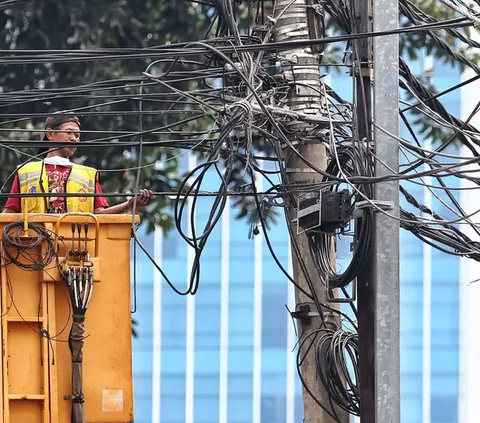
x=333 y=299
x=304 y=313
x=312 y=208
x=376 y=205
x=365 y=69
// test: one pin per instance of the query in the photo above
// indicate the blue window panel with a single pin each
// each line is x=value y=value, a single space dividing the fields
x=209 y=261
x=445 y=317
x=445 y=339
x=173 y=360
x=238 y=227
x=411 y=340
x=444 y=409
x=241 y=295
x=207 y=341
x=174 y=316
x=275 y=315
x=273 y=409
x=411 y=319
x=410 y=246
x=273 y=361
x=445 y=271
x=299 y=414
x=414 y=305
x=142 y=410
x=410 y=270
x=241 y=341
x=209 y=384
x=446 y=293
x=241 y=273
x=411 y=410
x=280 y=253
x=411 y=294
x=446 y=298
x=240 y=383
x=144 y=274
x=143 y=383
x=240 y=409
x=240 y=361
x=274 y=384
x=343 y=86
x=208 y=298
x=241 y=319
x=411 y=384
x=144 y=302
x=411 y=360
x=172 y=340
x=142 y=368
x=278 y=233
x=172 y=408
x=144 y=327
x=445 y=384
x=206 y=362
x=445 y=360
x=173 y=383
x=171 y=245
x=144 y=342
x=205 y=408
x=208 y=318
x=145 y=238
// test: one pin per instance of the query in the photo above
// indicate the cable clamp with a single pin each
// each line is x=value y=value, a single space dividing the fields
x=304 y=314
x=78 y=399
x=44 y=334
x=271 y=19
x=374 y=204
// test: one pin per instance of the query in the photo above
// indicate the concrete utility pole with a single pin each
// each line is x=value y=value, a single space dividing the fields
x=387 y=229
x=298 y=20
x=378 y=283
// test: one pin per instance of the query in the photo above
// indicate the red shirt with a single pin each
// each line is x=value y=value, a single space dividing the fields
x=57 y=176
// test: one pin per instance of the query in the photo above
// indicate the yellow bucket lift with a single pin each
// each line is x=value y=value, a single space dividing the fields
x=61 y=275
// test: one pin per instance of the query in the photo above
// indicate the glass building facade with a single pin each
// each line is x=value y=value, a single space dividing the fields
x=226 y=354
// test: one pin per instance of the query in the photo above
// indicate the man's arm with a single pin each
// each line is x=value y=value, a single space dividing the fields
x=13 y=203
x=144 y=198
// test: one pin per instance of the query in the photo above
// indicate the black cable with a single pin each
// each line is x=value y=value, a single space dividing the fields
x=21 y=250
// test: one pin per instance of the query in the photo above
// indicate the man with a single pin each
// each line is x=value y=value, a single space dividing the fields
x=56 y=175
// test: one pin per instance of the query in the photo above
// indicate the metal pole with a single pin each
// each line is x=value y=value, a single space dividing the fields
x=301 y=68
x=386 y=250
x=365 y=287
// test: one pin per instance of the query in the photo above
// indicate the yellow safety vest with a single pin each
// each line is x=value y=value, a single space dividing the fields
x=32 y=178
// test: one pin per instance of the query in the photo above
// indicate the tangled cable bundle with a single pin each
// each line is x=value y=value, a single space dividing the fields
x=349 y=160
x=337 y=367
x=24 y=251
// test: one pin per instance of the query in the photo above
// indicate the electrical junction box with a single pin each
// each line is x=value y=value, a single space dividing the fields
x=324 y=211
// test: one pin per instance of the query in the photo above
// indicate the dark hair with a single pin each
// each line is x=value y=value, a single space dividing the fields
x=54 y=121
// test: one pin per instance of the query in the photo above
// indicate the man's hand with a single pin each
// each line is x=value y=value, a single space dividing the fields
x=144 y=198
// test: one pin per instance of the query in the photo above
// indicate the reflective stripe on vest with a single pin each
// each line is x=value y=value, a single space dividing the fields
x=82 y=179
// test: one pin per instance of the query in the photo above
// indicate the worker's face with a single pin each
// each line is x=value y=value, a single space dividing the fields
x=66 y=132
